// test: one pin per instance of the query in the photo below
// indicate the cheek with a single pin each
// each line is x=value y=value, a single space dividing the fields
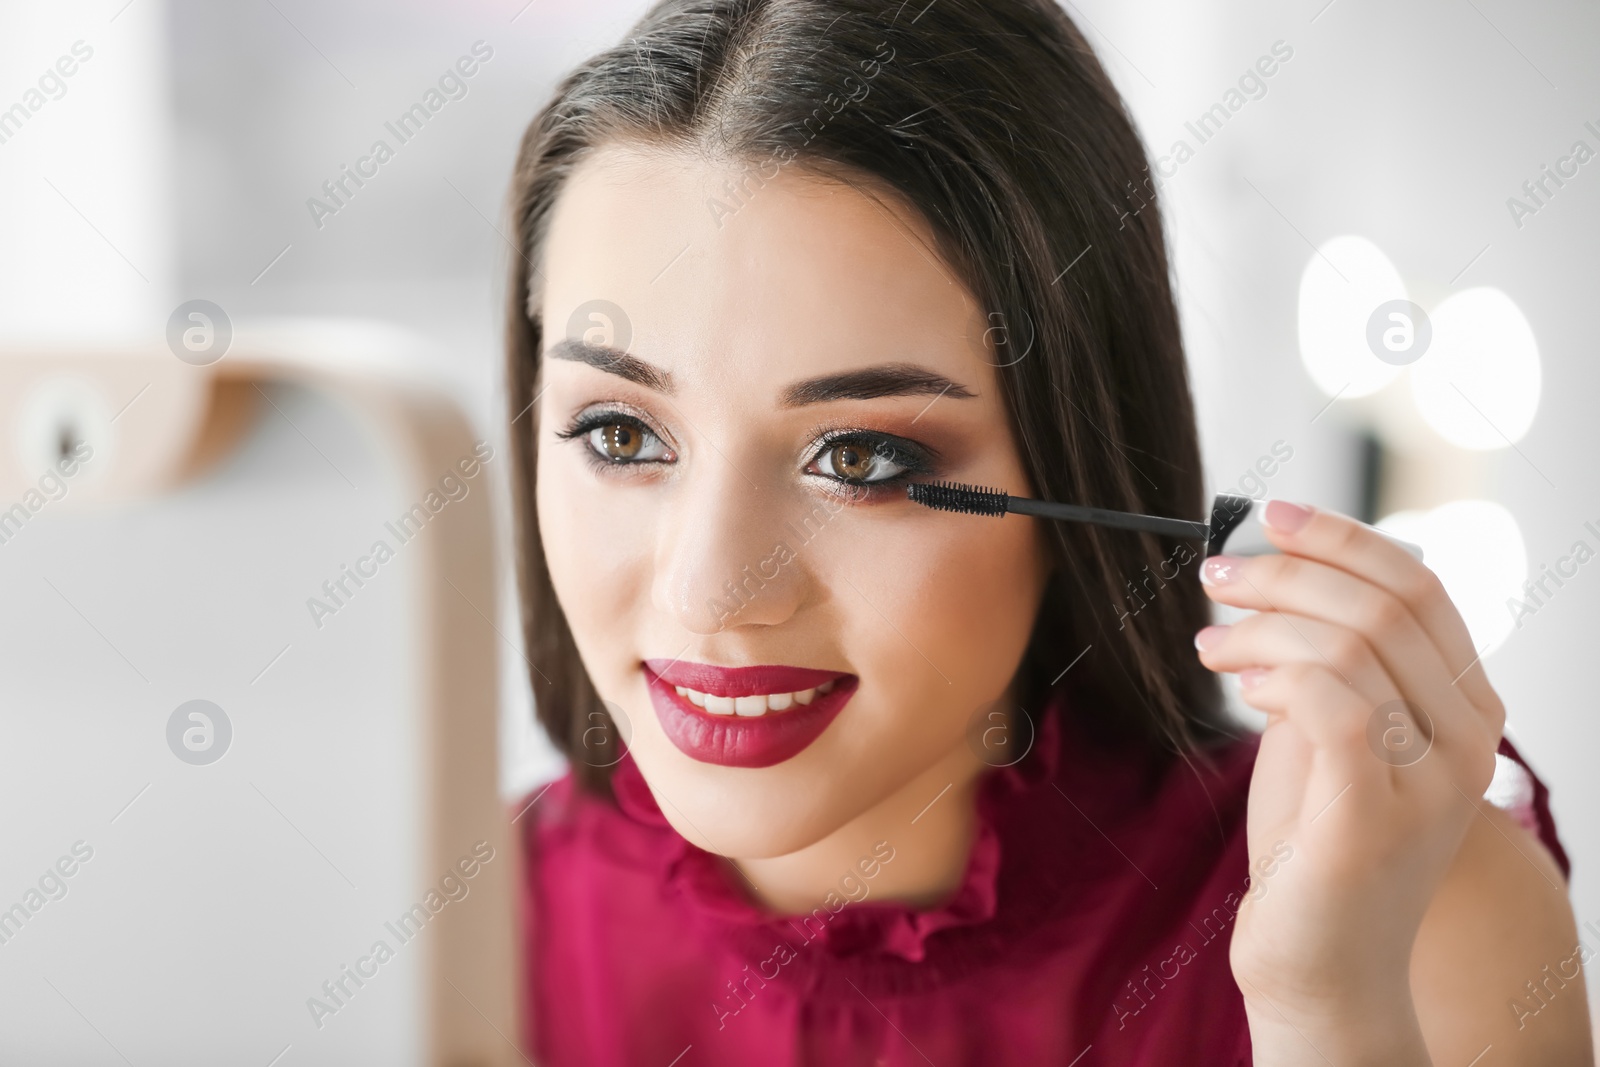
x=942 y=619
x=977 y=599
x=597 y=555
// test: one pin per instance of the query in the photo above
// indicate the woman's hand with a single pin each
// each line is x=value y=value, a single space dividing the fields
x=1381 y=734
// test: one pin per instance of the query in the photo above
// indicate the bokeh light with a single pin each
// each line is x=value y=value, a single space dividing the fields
x=1479 y=386
x=1477 y=550
x=1344 y=282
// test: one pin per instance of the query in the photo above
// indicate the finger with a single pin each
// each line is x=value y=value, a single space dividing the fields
x=1331 y=715
x=1307 y=587
x=1272 y=638
x=1354 y=547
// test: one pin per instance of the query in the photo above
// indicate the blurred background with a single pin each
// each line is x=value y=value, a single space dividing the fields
x=1384 y=222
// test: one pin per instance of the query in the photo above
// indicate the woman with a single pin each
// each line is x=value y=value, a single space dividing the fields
x=854 y=781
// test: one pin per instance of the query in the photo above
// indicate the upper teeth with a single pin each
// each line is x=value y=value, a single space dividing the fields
x=758 y=704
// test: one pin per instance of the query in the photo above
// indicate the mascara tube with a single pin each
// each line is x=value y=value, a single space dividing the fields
x=1249 y=538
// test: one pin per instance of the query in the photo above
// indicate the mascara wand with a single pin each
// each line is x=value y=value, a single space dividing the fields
x=1228 y=511
x=978 y=500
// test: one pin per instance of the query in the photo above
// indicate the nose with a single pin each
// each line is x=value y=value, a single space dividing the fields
x=726 y=553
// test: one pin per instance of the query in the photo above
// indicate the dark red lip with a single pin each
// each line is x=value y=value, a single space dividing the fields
x=739 y=681
x=739 y=741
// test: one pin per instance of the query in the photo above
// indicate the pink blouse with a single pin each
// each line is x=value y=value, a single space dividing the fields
x=1091 y=927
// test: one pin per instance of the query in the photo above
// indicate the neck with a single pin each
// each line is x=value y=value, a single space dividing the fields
x=911 y=847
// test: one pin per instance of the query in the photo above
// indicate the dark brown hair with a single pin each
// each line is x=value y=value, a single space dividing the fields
x=994 y=119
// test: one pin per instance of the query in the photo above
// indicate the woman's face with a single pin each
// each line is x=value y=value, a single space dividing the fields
x=731 y=492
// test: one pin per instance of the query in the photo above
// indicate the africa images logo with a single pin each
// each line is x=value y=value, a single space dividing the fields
x=342 y=188
x=452 y=888
x=450 y=488
x=199 y=732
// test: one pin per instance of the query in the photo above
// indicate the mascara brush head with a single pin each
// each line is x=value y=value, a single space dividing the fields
x=955 y=496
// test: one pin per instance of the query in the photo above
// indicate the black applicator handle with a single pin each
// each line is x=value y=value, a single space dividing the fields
x=1121 y=520
x=1228 y=511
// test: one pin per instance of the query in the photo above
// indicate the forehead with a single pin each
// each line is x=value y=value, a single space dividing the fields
x=732 y=269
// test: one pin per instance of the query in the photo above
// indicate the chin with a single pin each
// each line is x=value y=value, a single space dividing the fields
x=743 y=839
x=751 y=814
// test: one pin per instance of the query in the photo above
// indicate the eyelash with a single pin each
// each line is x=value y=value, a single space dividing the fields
x=918 y=460
x=587 y=423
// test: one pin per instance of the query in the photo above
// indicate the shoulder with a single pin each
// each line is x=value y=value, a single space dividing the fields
x=555 y=813
x=547 y=805
x=554 y=823
x=1498 y=959
x=572 y=838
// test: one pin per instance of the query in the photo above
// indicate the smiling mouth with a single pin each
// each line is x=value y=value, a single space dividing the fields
x=745 y=716
x=754 y=705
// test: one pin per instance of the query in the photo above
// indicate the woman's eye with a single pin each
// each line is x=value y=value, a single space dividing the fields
x=861 y=463
x=621 y=441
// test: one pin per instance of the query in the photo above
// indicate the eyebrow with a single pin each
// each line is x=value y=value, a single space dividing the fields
x=614 y=361
x=867 y=383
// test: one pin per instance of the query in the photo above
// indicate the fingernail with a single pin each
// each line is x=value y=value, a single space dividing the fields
x=1251 y=677
x=1209 y=637
x=1284 y=516
x=1220 y=570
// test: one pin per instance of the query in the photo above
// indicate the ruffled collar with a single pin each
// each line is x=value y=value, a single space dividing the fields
x=713 y=887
